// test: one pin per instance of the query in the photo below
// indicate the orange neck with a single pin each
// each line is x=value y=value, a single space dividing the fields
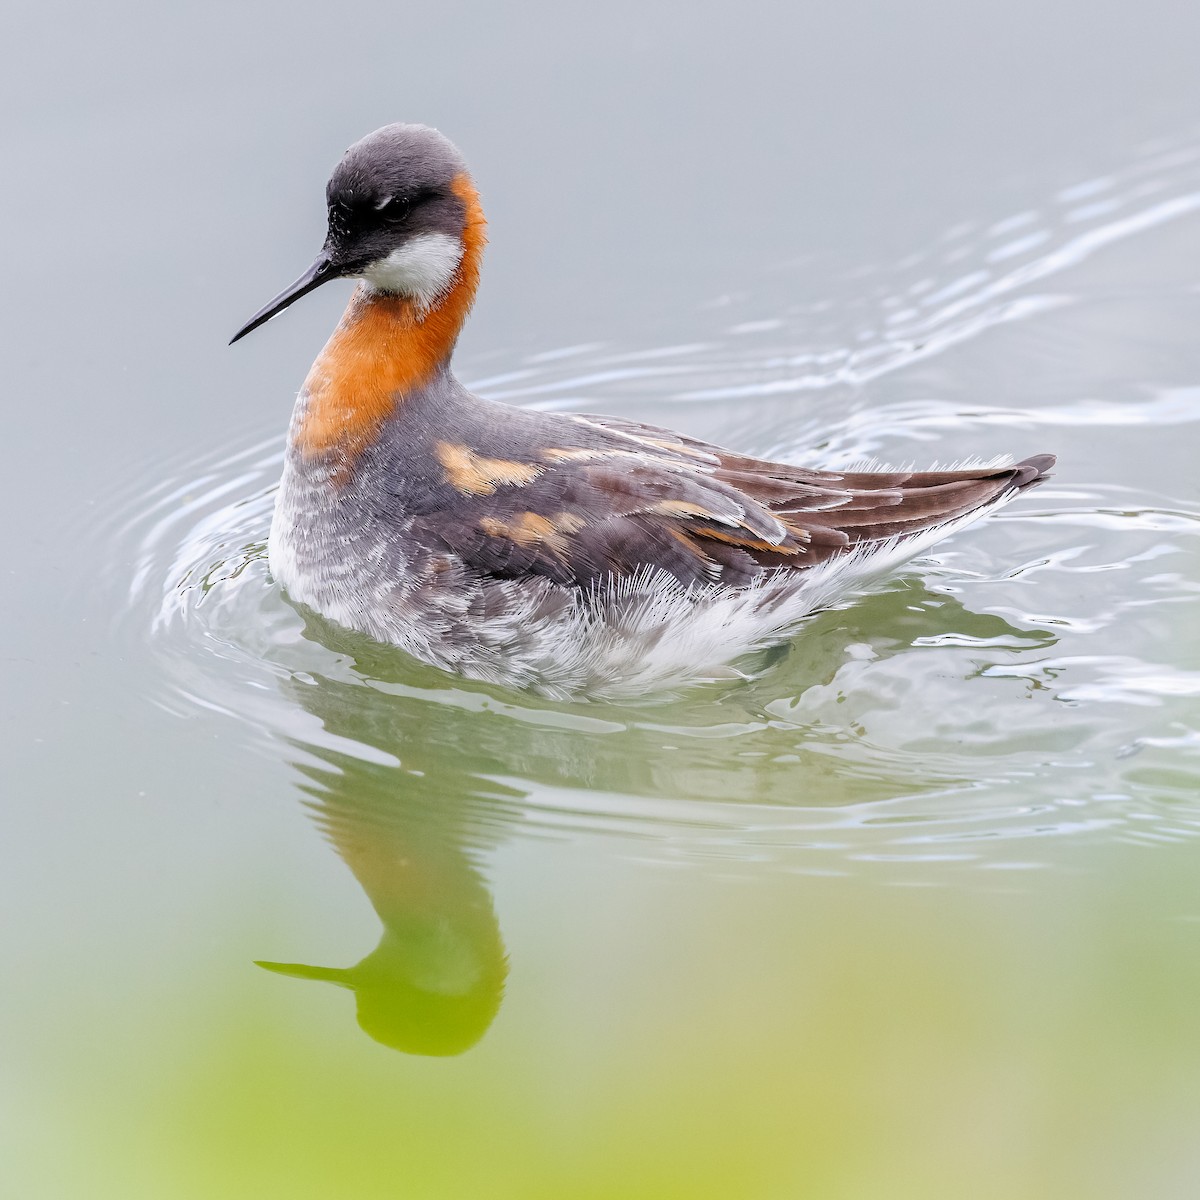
x=384 y=349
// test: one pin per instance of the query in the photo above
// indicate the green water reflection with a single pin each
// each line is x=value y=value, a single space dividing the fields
x=434 y=982
x=416 y=799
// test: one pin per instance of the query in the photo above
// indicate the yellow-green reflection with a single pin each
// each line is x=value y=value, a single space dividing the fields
x=409 y=834
x=676 y=1036
x=434 y=982
x=411 y=807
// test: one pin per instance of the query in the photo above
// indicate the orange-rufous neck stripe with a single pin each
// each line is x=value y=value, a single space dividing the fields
x=385 y=348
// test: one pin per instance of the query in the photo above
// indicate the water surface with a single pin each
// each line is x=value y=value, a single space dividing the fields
x=908 y=908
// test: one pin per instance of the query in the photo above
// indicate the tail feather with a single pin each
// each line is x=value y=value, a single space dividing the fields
x=1033 y=470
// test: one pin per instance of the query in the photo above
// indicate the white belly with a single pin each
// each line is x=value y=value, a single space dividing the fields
x=623 y=640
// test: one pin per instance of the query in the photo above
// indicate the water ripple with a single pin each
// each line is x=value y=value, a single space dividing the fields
x=1037 y=678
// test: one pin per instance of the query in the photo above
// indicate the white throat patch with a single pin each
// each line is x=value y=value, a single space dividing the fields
x=423 y=268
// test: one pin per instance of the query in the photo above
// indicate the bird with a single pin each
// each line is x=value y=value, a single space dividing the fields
x=576 y=556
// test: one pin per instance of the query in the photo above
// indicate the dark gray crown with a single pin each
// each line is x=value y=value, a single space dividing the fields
x=394 y=160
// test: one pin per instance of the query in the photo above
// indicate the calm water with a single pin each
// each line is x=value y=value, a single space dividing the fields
x=911 y=909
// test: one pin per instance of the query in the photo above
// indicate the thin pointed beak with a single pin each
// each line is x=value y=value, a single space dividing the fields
x=320 y=272
x=338 y=975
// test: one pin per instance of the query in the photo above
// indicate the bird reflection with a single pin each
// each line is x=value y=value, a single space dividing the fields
x=411 y=834
x=403 y=781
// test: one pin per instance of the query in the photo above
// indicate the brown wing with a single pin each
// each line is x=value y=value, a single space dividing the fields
x=594 y=496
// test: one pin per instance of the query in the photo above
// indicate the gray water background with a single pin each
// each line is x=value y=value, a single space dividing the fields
x=915 y=231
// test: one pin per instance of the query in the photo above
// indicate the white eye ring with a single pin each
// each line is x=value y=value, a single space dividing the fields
x=395 y=208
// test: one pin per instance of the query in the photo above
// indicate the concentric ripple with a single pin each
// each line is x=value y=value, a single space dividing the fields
x=1039 y=677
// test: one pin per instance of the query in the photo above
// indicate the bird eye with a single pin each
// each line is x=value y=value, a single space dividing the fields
x=396 y=208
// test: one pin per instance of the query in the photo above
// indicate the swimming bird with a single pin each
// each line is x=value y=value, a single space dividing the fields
x=577 y=555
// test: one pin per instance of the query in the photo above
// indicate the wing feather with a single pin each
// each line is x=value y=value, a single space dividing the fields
x=612 y=497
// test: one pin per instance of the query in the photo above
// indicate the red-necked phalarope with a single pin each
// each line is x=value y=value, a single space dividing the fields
x=578 y=555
